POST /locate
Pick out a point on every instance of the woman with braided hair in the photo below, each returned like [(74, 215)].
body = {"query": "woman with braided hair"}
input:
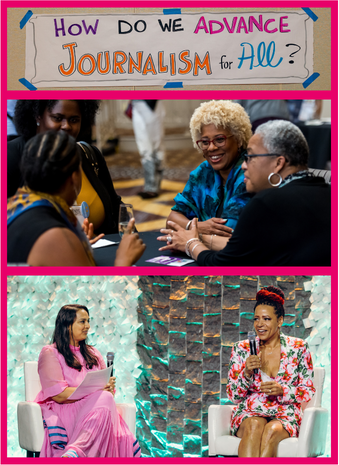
[(41, 228), (75, 117), (268, 403)]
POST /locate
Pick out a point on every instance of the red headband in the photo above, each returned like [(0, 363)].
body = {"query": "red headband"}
[(271, 295)]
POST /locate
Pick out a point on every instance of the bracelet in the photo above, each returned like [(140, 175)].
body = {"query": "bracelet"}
[(248, 379), (196, 245), (188, 243), (212, 235), (188, 225)]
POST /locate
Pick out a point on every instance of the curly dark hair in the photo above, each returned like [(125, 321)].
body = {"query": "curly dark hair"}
[(65, 320), (48, 160), (27, 111), (272, 296)]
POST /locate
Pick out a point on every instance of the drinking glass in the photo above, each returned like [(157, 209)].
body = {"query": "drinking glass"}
[(125, 214)]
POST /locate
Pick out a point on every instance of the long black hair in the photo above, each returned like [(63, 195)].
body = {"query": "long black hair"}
[(27, 111), (64, 321)]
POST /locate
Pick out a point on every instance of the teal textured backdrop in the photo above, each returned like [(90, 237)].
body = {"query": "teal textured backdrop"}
[(33, 303)]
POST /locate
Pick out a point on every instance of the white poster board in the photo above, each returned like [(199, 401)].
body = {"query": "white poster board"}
[(158, 49)]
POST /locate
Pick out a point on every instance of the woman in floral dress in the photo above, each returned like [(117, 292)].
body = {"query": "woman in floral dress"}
[(269, 402)]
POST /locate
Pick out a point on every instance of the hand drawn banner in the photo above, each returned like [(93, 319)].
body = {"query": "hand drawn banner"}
[(154, 49)]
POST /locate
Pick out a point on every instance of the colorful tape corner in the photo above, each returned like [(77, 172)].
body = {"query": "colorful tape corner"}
[(310, 80), (310, 13), (27, 84), (172, 11), (26, 18), (173, 85)]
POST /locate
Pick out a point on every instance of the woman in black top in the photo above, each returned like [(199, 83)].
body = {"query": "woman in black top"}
[(75, 117), (288, 221)]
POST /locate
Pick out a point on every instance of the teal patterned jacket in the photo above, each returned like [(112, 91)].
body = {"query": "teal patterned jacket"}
[(204, 193)]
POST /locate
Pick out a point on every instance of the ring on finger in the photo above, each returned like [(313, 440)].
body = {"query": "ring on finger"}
[(169, 239)]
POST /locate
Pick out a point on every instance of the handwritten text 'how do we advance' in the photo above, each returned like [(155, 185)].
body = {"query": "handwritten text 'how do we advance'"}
[(120, 62)]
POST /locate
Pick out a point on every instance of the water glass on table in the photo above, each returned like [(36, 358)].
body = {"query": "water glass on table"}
[(125, 215)]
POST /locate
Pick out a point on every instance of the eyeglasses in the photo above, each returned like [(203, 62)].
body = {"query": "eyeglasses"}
[(218, 141), (247, 156)]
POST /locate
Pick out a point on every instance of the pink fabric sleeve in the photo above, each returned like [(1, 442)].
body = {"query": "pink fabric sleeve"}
[(50, 373)]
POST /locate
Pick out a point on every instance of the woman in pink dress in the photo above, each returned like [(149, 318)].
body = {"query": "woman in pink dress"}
[(268, 402), (91, 426)]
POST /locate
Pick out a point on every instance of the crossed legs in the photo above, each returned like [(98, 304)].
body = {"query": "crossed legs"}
[(260, 438)]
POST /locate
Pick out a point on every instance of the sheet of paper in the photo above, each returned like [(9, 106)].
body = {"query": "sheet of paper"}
[(238, 47), (93, 381), (264, 377), (103, 243), (171, 261)]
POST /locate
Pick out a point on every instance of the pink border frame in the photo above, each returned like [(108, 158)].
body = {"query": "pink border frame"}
[(174, 94)]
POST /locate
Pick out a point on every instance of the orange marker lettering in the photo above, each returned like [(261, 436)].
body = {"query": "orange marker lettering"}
[(132, 64), (80, 64), (149, 66), (107, 62), (118, 64), (205, 64), (172, 57), (162, 68), (71, 68), (188, 63)]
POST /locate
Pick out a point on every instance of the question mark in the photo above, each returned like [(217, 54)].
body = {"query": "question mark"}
[(293, 53)]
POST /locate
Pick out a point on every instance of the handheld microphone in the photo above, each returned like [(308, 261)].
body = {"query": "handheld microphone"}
[(253, 346), (110, 360)]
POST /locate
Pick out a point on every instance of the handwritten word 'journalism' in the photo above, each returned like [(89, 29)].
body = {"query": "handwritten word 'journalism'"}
[(122, 63)]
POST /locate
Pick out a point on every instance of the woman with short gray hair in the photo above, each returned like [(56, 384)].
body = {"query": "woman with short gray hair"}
[(285, 138)]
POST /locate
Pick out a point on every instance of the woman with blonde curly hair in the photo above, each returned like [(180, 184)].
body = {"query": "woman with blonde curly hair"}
[(215, 192)]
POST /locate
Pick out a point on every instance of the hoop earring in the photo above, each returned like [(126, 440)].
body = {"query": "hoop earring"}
[(278, 183)]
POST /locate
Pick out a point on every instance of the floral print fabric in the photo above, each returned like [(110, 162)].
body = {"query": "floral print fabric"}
[(295, 376)]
